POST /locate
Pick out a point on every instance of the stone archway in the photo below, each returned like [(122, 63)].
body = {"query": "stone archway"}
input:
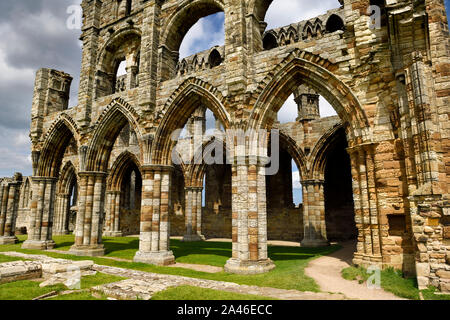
[(123, 197), (46, 165)]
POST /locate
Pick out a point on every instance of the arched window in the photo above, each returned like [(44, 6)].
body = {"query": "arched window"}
[(334, 23), (119, 83), (214, 59), (192, 31), (269, 41)]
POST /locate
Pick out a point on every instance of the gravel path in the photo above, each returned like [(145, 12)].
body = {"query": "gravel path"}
[(326, 271)]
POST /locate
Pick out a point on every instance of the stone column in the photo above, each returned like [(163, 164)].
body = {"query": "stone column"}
[(366, 205), (198, 212), (88, 234), (249, 217), (155, 226), (8, 218), (112, 221), (61, 214), (193, 214), (315, 232), (42, 210)]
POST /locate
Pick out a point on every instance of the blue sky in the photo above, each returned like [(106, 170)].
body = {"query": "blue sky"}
[(34, 35)]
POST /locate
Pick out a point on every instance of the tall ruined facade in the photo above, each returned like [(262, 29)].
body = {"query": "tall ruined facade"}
[(108, 162)]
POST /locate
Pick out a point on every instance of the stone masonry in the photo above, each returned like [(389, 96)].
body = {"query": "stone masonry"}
[(381, 165)]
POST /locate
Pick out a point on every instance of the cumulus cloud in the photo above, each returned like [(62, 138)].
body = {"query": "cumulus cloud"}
[(34, 35), (206, 33), (285, 12)]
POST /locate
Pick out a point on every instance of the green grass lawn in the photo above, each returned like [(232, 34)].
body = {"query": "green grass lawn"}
[(28, 289), (195, 293), (288, 274), (9, 259), (393, 281)]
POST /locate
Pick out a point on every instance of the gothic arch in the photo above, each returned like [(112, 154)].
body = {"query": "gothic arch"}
[(259, 8), (68, 174), (109, 125), (318, 157), (297, 154), (55, 143), (106, 53), (194, 173), (304, 67), (180, 105), (187, 14), (120, 165)]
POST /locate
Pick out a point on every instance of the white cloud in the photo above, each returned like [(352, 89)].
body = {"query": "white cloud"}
[(296, 180), (284, 12), (206, 33)]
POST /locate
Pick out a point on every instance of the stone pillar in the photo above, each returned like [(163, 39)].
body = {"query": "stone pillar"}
[(366, 205), (88, 234), (315, 232), (9, 208), (249, 217), (193, 214), (61, 214), (42, 209), (113, 220), (155, 226)]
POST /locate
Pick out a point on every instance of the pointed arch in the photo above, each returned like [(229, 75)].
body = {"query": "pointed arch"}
[(56, 141), (301, 67), (318, 157), (118, 169), (294, 150), (270, 40), (67, 177), (194, 172), (182, 19), (25, 193), (110, 123), (192, 93)]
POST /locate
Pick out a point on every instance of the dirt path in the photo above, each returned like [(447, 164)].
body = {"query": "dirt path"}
[(326, 271)]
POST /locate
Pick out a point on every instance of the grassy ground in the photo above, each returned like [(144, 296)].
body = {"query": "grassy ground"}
[(9, 259), (288, 274), (195, 293), (393, 281), (28, 289)]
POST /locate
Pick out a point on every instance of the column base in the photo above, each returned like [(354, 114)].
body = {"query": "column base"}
[(161, 258), (113, 234), (38, 244), (193, 238), (88, 251), (314, 243), (248, 267), (8, 240)]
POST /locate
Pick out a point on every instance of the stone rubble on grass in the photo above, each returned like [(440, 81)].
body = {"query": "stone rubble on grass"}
[(53, 270), (143, 285)]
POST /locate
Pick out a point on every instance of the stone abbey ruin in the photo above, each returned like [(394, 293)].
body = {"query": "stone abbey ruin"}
[(375, 173)]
